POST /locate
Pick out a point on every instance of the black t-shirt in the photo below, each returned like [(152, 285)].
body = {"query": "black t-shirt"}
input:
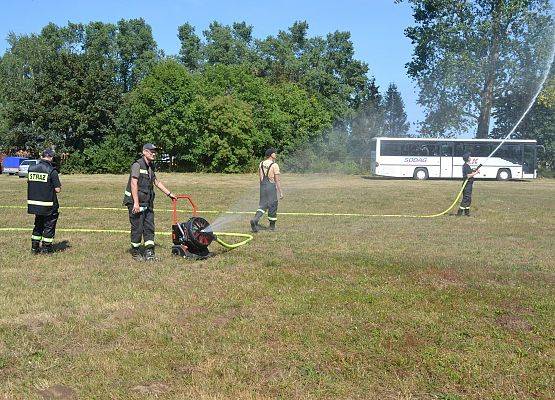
[(467, 170)]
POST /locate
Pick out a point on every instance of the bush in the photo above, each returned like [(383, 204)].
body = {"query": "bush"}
[(113, 155)]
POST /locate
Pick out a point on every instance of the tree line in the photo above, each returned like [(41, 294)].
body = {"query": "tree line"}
[(97, 91)]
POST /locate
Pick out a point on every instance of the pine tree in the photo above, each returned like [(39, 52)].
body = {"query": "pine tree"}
[(395, 118)]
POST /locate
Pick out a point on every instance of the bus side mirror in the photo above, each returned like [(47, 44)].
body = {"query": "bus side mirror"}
[(541, 147)]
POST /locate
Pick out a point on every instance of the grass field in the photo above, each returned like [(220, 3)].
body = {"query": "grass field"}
[(327, 307)]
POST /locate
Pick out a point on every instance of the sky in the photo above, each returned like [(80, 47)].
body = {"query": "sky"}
[(376, 26)]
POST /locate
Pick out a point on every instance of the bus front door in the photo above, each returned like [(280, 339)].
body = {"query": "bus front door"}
[(446, 160)]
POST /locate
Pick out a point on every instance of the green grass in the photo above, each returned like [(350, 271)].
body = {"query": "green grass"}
[(328, 307)]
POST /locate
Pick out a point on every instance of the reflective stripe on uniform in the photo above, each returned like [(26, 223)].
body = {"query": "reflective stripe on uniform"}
[(47, 240), (40, 203), (135, 244), (272, 219), (127, 193), (149, 243), (261, 210), (34, 237), (143, 171)]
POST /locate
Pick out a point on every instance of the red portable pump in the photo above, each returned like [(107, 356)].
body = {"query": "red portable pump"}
[(191, 238)]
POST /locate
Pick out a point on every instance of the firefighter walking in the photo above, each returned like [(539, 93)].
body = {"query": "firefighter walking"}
[(139, 199), (43, 184), (270, 186), (468, 173)]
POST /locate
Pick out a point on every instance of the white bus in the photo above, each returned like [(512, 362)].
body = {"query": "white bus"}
[(423, 158)]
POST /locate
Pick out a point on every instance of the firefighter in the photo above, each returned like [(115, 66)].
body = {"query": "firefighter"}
[(468, 173), (139, 199), (270, 186), (43, 184)]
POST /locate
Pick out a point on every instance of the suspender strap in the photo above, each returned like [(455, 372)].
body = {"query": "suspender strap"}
[(262, 168)]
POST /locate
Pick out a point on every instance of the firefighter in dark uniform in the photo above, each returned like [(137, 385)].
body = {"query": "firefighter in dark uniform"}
[(43, 184), (270, 186), (139, 199), (468, 173)]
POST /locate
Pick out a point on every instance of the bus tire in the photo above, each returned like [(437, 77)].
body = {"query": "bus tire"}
[(420, 174), (504, 174)]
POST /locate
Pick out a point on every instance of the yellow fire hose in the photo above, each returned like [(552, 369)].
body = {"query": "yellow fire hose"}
[(298, 214), (228, 246), (246, 236)]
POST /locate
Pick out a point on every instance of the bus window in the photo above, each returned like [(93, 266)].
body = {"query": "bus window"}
[(429, 149), (391, 148), (481, 150), (463, 147), (446, 149), (510, 152), (529, 159)]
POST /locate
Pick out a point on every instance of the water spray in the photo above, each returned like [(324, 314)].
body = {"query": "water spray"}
[(532, 101)]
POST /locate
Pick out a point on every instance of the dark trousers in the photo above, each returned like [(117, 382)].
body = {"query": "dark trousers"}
[(467, 197), (45, 227), (268, 201), (142, 227)]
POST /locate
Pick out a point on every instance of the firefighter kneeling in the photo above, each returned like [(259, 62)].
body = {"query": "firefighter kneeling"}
[(43, 183)]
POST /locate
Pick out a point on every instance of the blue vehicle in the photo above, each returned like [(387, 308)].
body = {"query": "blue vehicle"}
[(10, 165)]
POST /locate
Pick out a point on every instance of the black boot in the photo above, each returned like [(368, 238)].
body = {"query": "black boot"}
[(35, 246), (136, 254), (467, 212), (149, 254), (272, 225), (47, 248), (254, 222), (459, 212)]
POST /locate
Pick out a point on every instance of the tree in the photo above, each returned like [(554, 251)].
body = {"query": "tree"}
[(159, 110), (220, 119), (326, 66), (137, 51), (367, 123), (228, 45), (466, 55), (53, 93), (395, 117), (190, 54), (538, 124)]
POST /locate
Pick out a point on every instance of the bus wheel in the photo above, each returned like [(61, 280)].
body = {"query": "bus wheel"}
[(503, 174), (420, 174)]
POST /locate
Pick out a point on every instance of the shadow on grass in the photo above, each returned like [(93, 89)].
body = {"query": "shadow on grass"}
[(61, 246)]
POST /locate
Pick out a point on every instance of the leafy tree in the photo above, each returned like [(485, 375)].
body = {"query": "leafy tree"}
[(159, 110), (367, 123), (137, 51), (190, 53), (228, 44), (395, 117), (466, 55), (220, 119), (324, 66)]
